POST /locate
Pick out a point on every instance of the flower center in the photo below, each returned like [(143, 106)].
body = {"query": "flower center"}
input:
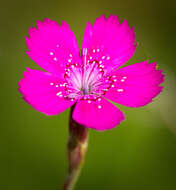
[(86, 82)]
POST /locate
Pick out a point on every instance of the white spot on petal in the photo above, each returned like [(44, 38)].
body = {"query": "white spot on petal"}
[(59, 93), (103, 57), (99, 106), (55, 59), (120, 90), (51, 53), (51, 83), (122, 80)]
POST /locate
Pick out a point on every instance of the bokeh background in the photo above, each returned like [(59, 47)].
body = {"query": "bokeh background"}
[(138, 154)]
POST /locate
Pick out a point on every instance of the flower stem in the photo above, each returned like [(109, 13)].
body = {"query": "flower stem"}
[(76, 150)]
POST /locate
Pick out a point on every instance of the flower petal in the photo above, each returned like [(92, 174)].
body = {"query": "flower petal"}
[(52, 46), (44, 92), (99, 115), (135, 85), (109, 42)]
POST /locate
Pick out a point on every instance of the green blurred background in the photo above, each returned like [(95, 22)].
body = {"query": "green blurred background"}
[(138, 154)]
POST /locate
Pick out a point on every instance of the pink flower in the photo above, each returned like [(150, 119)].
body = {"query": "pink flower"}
[(89, 80)]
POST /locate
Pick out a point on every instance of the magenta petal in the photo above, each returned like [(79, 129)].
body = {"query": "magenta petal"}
[(109, 42), (43, 92), (100, 116), (52, 46), (136, 85)]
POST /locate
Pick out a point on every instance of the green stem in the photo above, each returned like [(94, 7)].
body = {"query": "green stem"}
[(76, 150)]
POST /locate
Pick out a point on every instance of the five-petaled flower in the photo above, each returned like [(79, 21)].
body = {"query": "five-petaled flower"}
[(91, 79)]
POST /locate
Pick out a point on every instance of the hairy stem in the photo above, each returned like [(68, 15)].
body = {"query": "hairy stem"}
[(76, 150)]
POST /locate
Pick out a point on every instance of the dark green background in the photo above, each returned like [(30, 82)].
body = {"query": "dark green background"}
[(138, 154)]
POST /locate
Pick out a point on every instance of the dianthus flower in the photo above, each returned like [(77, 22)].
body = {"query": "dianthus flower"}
[(91, 79)]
